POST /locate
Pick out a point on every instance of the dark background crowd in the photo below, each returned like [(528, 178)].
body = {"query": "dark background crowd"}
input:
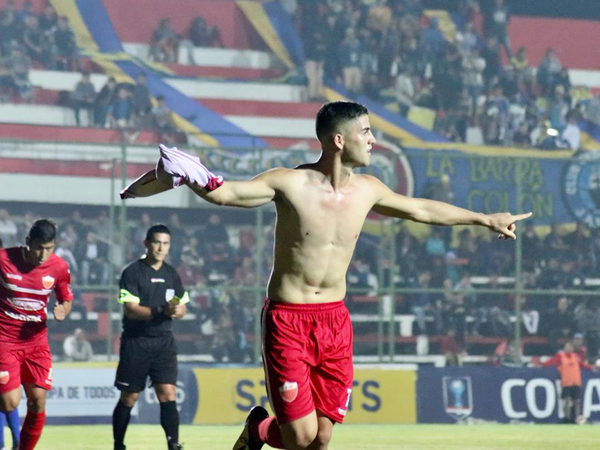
[(217, 262)]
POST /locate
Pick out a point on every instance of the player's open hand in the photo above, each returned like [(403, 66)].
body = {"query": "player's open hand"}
[(59, 311), (504, 224)]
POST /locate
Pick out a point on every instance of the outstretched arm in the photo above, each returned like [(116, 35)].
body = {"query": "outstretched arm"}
[(246, 194), (439, 213)]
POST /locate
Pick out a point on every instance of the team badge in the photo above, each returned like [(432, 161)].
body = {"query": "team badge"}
[(581, 184), (289, 391), (4, 377), (458, 397), (48, 282)]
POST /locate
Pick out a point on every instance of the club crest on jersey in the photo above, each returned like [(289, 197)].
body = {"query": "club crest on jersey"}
[(4, 377), (289, 391), (48, 282)]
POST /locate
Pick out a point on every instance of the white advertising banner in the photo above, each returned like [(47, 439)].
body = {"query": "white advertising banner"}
[(81, 393)]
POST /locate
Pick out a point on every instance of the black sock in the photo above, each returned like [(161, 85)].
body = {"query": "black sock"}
[(169, 420), (120, 420)]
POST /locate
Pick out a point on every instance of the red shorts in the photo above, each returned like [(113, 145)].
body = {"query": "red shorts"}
[(25, 365), (307, 355)]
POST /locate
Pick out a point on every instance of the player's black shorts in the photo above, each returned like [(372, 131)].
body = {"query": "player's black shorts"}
[(571, 392), (143, 357)]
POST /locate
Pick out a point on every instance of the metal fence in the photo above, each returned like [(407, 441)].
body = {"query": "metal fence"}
[(559, 190)]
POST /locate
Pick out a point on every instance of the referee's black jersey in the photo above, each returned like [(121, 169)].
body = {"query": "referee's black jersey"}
[(141, 284)]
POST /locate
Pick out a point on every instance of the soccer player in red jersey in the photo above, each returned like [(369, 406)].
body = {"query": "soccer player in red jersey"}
[(27, 277), (321, 208)]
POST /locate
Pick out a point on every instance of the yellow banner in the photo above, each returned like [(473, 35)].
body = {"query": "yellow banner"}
[(256, 15), (378, 396)]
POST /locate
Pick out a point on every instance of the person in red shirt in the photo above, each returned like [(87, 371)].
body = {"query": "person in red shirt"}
[(569, 365), (28, 275)]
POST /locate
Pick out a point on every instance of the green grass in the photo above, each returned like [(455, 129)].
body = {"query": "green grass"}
[(346, 437)]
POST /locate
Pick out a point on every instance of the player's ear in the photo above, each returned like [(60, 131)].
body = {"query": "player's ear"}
[(28, 242), (338, 140)]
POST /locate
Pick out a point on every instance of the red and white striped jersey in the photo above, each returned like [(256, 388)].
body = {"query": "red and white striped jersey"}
[(24, 293)]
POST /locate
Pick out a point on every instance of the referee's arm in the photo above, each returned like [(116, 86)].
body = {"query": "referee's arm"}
[(133, 309)]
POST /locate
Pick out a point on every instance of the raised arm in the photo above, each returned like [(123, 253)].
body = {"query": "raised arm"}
[(433, 212)]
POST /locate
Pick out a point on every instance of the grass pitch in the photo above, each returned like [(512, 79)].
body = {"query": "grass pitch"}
[(346, 437)]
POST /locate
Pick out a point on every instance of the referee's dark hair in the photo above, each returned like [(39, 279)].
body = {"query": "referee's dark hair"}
[(42, 231), (160, 228)]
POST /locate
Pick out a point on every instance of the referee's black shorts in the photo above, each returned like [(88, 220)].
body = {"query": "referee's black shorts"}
[(143, 357)]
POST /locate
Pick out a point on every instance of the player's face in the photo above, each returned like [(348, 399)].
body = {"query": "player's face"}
[(358, 142), (38, 253), (158, 247)]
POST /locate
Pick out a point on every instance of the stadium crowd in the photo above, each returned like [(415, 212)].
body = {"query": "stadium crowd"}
[(217, 263), (478, 89), (402, 56)]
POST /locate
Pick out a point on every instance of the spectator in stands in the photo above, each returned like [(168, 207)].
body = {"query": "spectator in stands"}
[(92, 256), (10, 31), (570, 137), (493, 64), (77, 348), (405, 89), (547, 71), (314, 35), (37, 46), (162, 120), (120, 110), (48, 20), (199, 32), (63, 250), (360, 276), (349, 54), (19, 65), (137, 235), (67, 55), (8, 229), (451, 349), (26, 12), (534, 255), (191, 259), (497, 25), (555, 243), (432, 38), (102, 103), (441, 191), (521, 137), (165, 43), (203, 35), (141, 102), (83, 97), (462, 301), (473, 67), (229, 343), (424, 304), (587, 317), (520, 65), (560, 323)]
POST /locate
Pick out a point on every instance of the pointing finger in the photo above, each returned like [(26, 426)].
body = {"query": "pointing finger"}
[(522, 216)]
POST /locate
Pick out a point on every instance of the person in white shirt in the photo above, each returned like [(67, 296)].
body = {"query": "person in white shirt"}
[(77, 348)]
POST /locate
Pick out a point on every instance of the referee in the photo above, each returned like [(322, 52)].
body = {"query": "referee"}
[(153, 295)]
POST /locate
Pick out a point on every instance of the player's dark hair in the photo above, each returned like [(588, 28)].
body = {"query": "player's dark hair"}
[(332, 114), (154, 229), (42, 231)]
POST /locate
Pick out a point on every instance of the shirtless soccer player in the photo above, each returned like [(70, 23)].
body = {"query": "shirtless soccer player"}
[(321, 207), (28, 275)]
